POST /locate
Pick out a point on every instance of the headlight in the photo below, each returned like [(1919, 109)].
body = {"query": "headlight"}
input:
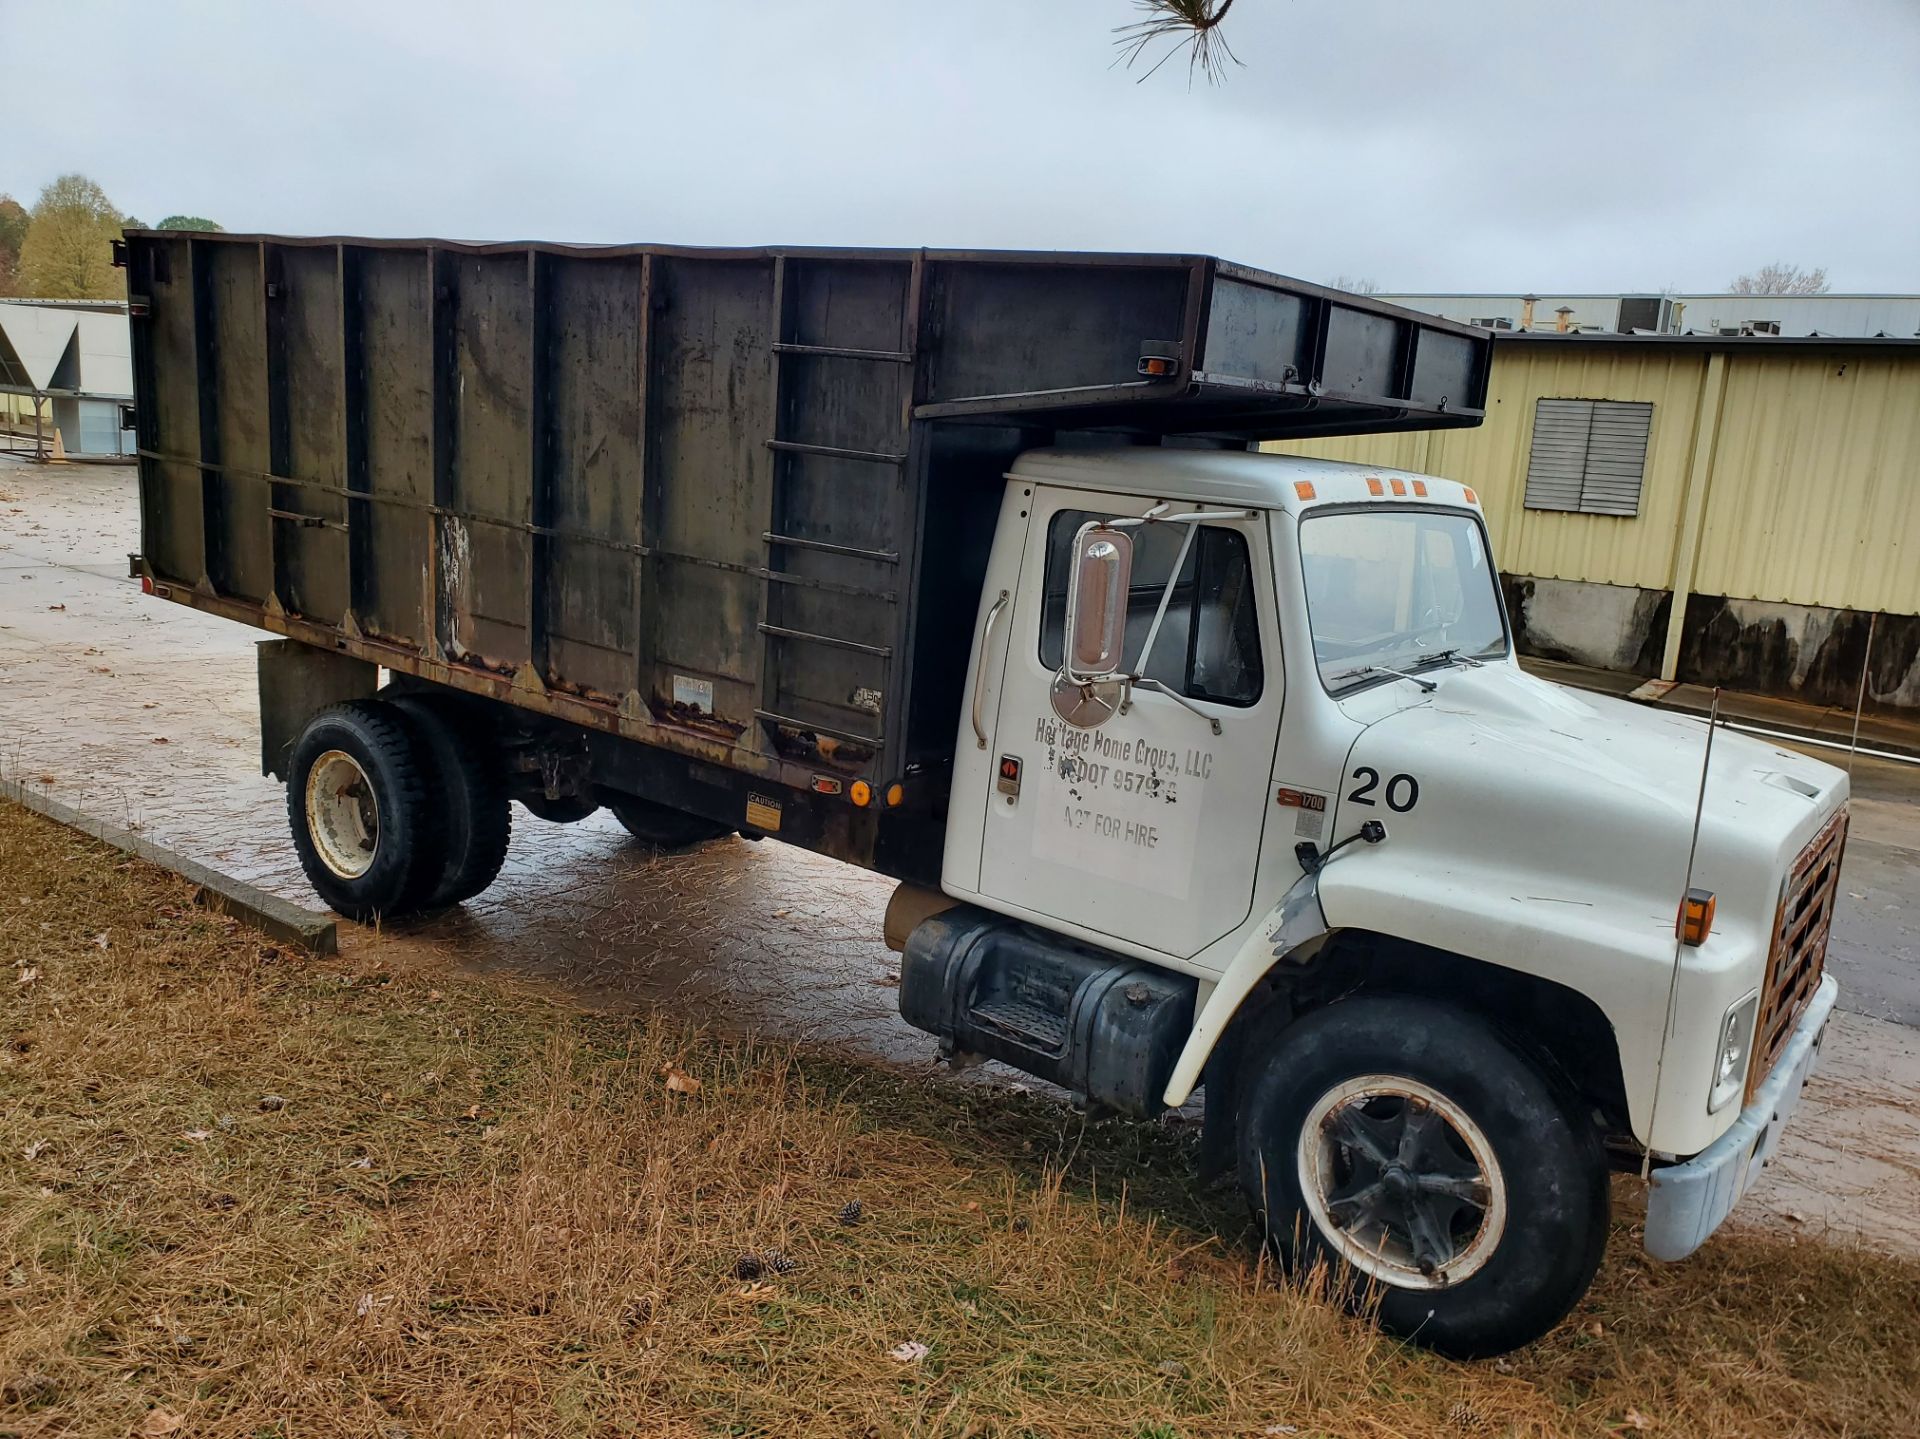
[(1735, 1048)]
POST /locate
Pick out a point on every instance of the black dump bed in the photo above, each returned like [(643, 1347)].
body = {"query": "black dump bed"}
[(732, 503)]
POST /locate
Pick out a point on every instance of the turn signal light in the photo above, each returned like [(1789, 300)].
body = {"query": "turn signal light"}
[(1695, 921), (860, 792), (896, 792)]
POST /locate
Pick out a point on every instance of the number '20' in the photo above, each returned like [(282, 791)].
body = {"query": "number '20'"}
[(1402, 792)]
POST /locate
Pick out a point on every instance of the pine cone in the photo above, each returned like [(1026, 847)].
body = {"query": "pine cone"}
[(748, 1267), (850, 1212), (777, 1261)]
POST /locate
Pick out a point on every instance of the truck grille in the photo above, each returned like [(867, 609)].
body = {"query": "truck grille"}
[(1799, 950)]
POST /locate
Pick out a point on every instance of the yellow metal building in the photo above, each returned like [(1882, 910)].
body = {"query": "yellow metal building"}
[(1766, 536)]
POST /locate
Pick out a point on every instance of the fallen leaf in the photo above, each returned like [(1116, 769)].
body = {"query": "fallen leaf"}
[(161, 1421), (433, 996), (56, 607), (911, 1351), (1172, 1368), (366, 1304), (198, 1136), (365, 1161), (1637, 1420), (781, 913), (160, 739), (473, 1111), (1596, 1329), (28, 974), (887, 981), (100, 939), (34, 1150), (1794, 1216), (272, 1102), (679, 1081)]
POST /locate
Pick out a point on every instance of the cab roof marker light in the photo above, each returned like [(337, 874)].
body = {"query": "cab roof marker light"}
[(1399, 487), (1374, 487), (1472, 498), (1420, 488), (1303, 489)]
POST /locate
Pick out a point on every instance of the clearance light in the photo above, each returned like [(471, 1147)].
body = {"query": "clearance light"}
[(1158, 365), (146, 584), (1374, 487), (1399, 487), (1303, 489), (860, 792), (1695, 921), (1420, 488), (896, 792), (1472, 498)]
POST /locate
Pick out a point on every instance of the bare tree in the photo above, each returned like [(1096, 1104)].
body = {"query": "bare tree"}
[(1781, 278), (1355, 284), (1190, 25)]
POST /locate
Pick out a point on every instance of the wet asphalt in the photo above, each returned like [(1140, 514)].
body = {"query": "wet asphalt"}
[(143, 712)]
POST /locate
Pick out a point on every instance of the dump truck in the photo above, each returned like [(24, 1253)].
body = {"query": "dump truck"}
[(1200, 769)]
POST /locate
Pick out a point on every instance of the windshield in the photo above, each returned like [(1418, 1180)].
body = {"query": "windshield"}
[(1397, 589)]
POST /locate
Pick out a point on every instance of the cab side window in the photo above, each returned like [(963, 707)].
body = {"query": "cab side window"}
[(1208, 647)]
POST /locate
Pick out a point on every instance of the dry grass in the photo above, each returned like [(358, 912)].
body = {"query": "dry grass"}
[(478, 1212)]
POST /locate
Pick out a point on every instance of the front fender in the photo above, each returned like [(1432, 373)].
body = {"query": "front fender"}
[(1297, 920)]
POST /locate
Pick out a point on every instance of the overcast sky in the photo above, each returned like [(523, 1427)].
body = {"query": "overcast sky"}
[(1506, 145)]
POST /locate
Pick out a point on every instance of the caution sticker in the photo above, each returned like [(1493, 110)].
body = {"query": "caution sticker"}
[(763, 813)]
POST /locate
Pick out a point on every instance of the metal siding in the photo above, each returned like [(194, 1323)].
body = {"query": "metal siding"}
[(1815, 497), (1601, 549)]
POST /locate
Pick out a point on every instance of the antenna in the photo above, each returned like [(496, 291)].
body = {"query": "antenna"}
[(1860, 703), (1673, 976)]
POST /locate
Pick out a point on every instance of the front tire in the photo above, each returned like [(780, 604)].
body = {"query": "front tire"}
[(1433, 1171), (356, 803)]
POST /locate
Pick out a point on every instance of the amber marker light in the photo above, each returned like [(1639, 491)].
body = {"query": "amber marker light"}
[(1695, 921), (1303, 489), (896, 792), (860, 792)]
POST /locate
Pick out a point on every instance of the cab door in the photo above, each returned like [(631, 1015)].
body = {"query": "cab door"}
[(1148, 827)]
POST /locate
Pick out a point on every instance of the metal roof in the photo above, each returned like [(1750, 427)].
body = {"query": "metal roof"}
[(1890, 343)]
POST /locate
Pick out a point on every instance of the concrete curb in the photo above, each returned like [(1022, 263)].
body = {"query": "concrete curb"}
[(222, 893)]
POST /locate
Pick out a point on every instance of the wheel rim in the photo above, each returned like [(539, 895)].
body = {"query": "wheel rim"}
[(343, 816), (1401, 1181)]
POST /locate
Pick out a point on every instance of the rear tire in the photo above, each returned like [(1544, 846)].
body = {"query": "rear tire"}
[(466, 781), (662, 826), (357, 806), (570, 810), (1433, 1171)]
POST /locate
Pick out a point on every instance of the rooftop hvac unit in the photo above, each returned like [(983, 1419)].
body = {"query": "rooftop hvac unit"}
[(1645, 314), (1759, 327), (1493, 322)]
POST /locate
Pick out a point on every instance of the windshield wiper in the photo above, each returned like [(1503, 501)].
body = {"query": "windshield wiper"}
[(1443, 657), (1428, 685)]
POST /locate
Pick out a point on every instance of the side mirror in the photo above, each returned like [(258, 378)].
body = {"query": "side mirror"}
[(1089, 688), (1097, 590)]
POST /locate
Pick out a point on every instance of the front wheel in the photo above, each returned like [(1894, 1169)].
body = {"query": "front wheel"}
[(1429, 1167)]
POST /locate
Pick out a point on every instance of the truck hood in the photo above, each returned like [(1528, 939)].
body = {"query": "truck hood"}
[(1586, 799)]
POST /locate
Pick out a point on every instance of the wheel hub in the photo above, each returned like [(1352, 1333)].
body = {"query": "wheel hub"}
[(1402, 1182), (343, 814)]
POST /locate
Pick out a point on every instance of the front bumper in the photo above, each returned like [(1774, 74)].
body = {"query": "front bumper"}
[(1689, 1201)]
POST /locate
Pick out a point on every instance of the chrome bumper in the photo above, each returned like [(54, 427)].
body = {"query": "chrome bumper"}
[(1689, 1201)]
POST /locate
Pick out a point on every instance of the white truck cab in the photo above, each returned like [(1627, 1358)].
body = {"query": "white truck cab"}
[(1437, 936)]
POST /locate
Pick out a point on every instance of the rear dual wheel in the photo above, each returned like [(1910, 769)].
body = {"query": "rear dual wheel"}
[(395, 806)]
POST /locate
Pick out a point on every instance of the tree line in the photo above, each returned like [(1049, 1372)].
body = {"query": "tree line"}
[(62, 248)]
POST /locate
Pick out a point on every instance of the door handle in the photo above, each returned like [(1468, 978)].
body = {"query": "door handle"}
[(980, 675)]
